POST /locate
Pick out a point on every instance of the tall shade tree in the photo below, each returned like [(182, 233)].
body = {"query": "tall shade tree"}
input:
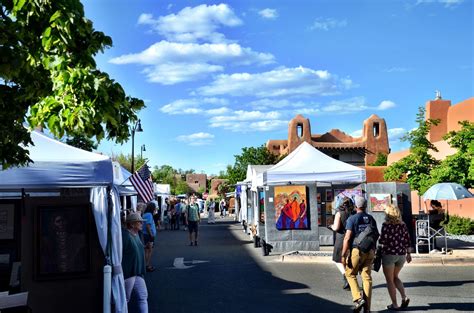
[(416, 167), (459, 167), (81, 142), (249, 156), (126, 161), (48, 77)]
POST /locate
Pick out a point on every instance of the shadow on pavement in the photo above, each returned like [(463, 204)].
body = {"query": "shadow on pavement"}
[(423, 283), (233, 280), (465, 307)]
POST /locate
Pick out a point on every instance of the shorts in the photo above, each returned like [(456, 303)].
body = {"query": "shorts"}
[(193, 226), (147, 240), (393, 260)]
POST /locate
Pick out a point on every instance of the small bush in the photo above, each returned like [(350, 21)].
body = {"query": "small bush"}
[(460, 225)]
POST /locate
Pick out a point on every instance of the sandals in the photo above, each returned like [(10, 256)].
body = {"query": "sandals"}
[(405, 303), (150, 269), (392, 308)]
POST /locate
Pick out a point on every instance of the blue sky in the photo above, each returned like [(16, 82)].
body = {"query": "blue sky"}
[(219, 76)]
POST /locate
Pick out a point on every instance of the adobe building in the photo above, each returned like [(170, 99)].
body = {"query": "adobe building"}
[(215, 185), (449, 116), (196, 181), (358, 151)]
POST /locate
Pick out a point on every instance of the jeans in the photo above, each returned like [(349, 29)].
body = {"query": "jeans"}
[(135, 290), (361, 262)]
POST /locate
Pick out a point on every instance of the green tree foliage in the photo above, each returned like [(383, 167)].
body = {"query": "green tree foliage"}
[(419, 163), (460, 225), (459, 167), (81, 142), (223, 188), (380, 161), (126, 161), (250, 155), (181, 188), (49, 77), (165, 174)]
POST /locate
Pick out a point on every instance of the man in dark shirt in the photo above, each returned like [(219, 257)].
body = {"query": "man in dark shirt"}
[(133, 262), (358, 261)]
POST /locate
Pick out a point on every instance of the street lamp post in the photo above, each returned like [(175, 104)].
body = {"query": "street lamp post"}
[(142, 148), (137, 127)]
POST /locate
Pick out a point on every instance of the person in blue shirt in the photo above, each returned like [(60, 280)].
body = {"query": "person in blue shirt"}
[(355, 260), (178, 210), (149, 233)]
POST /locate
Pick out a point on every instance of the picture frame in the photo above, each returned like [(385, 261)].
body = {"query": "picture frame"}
[(291, 208), (7, 221), (329, 196), (62, 245), (377, 200)]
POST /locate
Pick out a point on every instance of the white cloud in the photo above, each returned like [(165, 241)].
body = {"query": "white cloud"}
[(396, 69), (270, 14), (394, 134), (192, 24), (174, 73), (195, 106), (196, 139), (297, 81), (327, 23), (173, 52), (170, 63), (279, 103), (357, 133), (248, 121), (446, 3), (385, 105), (346, 106)]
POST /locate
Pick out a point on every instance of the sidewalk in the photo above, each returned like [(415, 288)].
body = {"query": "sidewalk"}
[(460, 253)]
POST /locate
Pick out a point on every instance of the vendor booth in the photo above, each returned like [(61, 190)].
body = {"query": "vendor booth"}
[(255, 194), (299, 194), (62, 245), (242, 195)]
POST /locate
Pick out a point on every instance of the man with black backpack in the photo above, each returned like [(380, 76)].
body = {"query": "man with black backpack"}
[(358, 253)]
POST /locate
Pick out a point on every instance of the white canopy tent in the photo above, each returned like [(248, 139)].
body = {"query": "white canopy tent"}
[(255, 177), (58, 165), (124, 186), (308, 164)]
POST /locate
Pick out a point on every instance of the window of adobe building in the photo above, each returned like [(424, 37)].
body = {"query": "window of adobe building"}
[(376, 129), (299, 130)]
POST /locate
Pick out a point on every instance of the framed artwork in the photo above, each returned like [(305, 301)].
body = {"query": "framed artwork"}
[(7, 221), (329, 196), (328, 208), (261, 206), (377, 200), (329, 220), (62, 241), (291, 207), (342, 193)]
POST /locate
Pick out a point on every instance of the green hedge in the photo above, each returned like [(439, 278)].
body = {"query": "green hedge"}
[(460, 225)]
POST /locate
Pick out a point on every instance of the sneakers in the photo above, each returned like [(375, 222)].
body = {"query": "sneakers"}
[(358, 305)]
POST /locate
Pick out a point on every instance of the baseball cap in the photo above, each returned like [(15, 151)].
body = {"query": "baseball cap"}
[(360, 202)]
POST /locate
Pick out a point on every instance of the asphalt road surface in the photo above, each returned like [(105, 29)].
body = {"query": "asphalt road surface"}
[(226, 274)]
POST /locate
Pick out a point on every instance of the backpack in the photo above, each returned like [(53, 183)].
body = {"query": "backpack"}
[(367, 239)]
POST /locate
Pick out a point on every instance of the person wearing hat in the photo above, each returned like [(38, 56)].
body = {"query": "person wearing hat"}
[(133, 263), (354, 259)]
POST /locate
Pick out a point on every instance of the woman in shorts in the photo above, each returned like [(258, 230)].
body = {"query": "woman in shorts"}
[(395, 243), (149, 233)]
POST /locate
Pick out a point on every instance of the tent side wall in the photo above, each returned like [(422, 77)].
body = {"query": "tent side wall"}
[(291, 240)]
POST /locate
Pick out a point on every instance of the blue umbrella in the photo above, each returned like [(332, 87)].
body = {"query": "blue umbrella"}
[(447, 191)]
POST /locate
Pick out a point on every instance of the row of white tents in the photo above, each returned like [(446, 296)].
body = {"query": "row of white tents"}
[(57, 166), (304, 166)]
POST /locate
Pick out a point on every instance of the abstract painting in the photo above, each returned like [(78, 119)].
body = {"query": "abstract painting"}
[(291, 207)]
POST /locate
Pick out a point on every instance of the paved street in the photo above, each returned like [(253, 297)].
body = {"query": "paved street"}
[(236, 278)]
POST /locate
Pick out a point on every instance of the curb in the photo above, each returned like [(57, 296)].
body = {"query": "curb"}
[(315, 257)]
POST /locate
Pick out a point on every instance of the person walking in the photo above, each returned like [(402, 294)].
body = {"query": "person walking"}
[(192, 220), (149, 233), (395, 244), (211, 216), (133, 264), (178, 208), (358, 253), (343, 212)]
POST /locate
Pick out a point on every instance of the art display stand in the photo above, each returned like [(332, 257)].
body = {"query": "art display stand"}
[(426, 235)]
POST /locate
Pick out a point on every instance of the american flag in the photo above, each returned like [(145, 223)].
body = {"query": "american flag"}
[(141, 181)]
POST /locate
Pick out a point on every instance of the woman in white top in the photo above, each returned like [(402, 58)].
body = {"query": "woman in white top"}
[(211, 218)]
